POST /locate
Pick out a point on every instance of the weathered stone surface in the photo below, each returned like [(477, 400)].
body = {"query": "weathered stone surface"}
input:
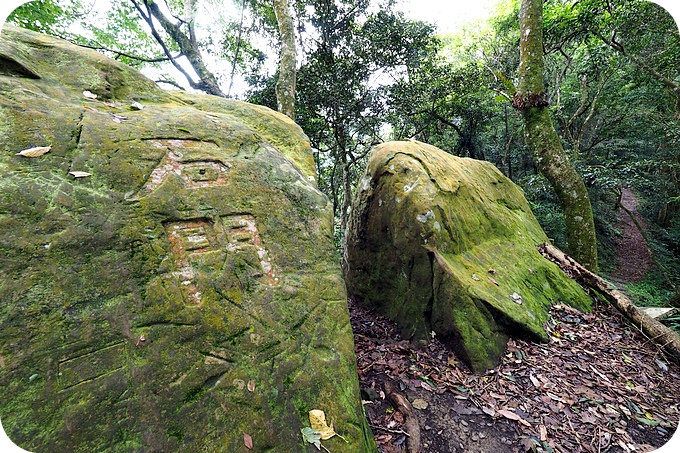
[(186, 292), (447, 245)]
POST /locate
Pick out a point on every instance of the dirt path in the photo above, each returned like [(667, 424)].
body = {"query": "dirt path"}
[(633, 258)]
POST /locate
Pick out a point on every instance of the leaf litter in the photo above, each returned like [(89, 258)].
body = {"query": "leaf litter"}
[(595, 387)]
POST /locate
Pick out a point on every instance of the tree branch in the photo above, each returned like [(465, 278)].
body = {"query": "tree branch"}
[(127, 55)]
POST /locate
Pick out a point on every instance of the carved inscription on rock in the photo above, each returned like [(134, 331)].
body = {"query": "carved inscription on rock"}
[(243, 237), (195, 173), (192, 239)]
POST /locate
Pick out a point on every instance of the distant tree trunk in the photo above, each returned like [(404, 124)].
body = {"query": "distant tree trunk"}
[(548, 154), (285, 85)]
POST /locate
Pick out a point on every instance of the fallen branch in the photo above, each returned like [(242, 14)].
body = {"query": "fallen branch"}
[(411, 426), (666, 338)]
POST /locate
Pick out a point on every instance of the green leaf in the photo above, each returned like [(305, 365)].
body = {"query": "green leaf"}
[(647, 422), (312, 436)]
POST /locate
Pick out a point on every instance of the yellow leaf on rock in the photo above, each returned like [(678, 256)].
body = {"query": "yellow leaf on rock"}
[(317, 419), (34, 152)]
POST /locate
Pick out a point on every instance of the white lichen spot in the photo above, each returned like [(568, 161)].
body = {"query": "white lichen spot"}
[(425, 217), (578, 218), (527, 31), (436, 226), (397, 199), (409, 187), (380, 202), (365, 182)]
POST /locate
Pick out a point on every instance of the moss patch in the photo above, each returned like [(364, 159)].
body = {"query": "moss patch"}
[(183, 293)]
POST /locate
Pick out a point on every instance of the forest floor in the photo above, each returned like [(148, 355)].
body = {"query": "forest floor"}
[(598, 385)]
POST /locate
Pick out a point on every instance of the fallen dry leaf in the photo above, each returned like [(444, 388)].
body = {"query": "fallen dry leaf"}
[(534, 381), (251, 385), (34, 152), (79, 174), (248, 441), (419, 404), (317, 419), (513, 416)]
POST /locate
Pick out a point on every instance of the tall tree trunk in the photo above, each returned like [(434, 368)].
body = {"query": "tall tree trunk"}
[(285, 85), (548, 154)]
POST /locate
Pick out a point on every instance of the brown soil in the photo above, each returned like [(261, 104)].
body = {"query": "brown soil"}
[(597, 386), (633, 258)]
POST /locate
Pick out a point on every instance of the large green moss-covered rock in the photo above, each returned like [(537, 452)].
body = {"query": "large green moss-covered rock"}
[(183, 294), (448, 245)]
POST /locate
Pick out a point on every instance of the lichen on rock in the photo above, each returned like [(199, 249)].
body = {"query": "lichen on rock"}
[(448, 245), (184, 293)]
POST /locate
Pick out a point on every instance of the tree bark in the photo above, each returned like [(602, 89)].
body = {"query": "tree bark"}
[(666, 338), (285, 85), (548, 154)]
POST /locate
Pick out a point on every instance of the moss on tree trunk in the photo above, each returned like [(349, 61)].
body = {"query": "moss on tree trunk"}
[(285, 85), (543, 142)]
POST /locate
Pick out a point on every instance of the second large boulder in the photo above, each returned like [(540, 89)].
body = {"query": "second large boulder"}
[(448, 245)]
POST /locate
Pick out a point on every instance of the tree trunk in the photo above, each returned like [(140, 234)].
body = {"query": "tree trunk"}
[(188, 45), (285, 85), (548, 154)]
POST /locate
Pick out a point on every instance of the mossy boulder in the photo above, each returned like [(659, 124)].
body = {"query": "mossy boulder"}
[(448, 245), (184, 293)]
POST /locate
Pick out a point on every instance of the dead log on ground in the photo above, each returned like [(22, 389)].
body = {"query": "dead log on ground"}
[(666, 338)]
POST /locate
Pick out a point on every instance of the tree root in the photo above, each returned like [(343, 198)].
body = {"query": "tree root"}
[(411, 426)]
